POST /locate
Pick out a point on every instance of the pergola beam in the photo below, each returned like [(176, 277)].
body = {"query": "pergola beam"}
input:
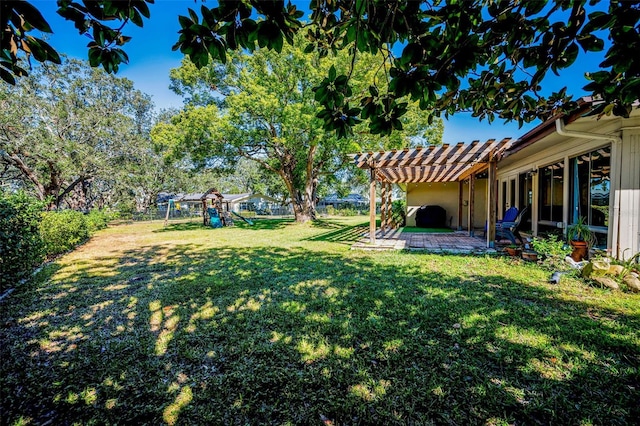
[(444, 163)]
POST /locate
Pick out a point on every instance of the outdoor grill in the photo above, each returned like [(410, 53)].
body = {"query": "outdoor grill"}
[(431, 217)]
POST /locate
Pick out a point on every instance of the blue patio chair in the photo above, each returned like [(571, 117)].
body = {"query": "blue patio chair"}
[(509, 229), (509, 216)]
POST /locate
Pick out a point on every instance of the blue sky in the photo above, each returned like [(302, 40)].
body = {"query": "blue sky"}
[(151, 58)]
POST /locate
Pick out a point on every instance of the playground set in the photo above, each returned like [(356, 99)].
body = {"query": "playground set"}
[(215, 212)]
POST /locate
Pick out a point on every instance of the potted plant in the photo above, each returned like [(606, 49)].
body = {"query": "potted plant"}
[(513, 250), (580, 238)]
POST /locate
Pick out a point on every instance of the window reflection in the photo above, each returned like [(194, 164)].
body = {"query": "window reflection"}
[(591, 186)]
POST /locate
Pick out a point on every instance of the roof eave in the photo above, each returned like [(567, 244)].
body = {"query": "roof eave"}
[(548, 127)]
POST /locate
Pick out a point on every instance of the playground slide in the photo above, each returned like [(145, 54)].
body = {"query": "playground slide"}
[(214, 218), (243, 218)]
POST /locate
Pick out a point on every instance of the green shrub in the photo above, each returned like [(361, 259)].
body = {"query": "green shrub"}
[(398, 212), (347, 211), (553, 250), (331, 210), (61, 231), (21, 247), (97, 220)]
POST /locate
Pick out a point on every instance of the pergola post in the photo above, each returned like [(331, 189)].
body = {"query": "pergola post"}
[(389, 210), (491, 203), (383, 207), (460, 201), (472, 201), (372, 206)]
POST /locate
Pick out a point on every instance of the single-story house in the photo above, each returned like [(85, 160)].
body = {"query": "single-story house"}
[(570, 166), (193, 204), (258, 203), (247, 202), (355, 201)]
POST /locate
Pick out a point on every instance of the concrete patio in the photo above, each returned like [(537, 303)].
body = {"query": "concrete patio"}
[(456, 242)]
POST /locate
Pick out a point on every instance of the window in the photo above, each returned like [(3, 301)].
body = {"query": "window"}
[(590, 187), (551, 181)]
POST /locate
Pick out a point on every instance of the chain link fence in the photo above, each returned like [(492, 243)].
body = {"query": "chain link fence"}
[(160, 213)]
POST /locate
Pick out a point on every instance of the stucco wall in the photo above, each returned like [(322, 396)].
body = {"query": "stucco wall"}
[(445, 195)]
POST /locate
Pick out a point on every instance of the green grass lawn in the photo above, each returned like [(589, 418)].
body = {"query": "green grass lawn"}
[(281, 323), (427, 230)]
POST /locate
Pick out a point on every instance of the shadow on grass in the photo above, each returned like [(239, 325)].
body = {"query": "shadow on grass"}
[(192, 335), (183, 226), (339, 232), (258, 224)]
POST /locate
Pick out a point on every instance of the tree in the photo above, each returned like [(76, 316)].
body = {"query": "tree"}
[(18, 18), (484, 56), (136, 182), (266, 112), (71, 134), (248, 176)]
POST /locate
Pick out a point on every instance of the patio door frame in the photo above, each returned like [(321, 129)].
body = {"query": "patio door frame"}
[(508, 193)]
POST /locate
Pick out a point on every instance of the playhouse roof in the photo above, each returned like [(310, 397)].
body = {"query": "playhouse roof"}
[(434, 163)]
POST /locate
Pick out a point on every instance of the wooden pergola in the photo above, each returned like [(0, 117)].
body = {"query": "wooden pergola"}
[(434, 163)]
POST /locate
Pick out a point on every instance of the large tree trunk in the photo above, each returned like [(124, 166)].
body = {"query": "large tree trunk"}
[(304, 203), (75, 194), (302, 199), (304, 209)]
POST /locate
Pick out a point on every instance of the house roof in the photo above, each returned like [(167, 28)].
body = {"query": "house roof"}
[(212, 194), (549, 126), (434, 163), (235, 198), (351, 198), (208, 195), (199, 196)]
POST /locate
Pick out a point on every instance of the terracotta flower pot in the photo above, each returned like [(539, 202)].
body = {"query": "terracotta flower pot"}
[(530, 255), (580, 250), (513, 251)]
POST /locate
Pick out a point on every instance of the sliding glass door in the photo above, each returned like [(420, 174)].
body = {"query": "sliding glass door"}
[(550, 187), (590, 189)]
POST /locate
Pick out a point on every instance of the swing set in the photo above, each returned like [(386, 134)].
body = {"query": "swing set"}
[(216, 213)]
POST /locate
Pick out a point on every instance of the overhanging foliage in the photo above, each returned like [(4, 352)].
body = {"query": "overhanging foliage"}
[(484, 56)]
